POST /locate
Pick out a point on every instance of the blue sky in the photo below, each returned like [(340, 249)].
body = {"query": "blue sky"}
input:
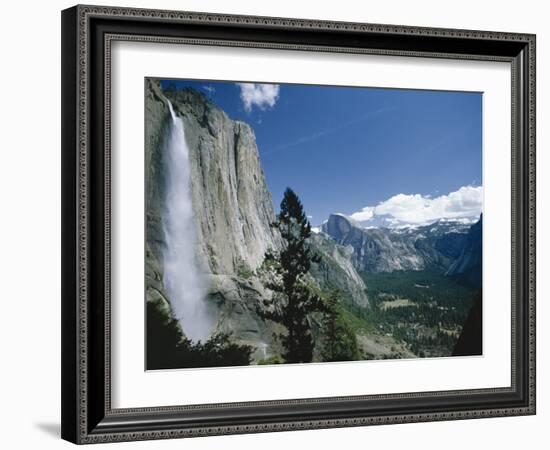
[(342, 149)]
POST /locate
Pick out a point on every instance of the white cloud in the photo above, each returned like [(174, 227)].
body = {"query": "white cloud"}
[(417, 209), (365, 214), (209, 89), (262, 96)]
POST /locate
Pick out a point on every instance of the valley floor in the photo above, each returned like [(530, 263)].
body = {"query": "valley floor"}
[(411, 314)]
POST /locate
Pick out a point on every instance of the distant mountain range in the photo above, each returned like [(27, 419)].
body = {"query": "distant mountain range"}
[(384, 249), (391, 222)]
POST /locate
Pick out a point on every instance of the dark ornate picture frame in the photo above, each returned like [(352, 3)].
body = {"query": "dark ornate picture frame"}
[(87, 35)]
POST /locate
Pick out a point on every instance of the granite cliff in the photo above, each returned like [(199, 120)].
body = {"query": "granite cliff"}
[(467, 268), (233, 216), (435, 246)]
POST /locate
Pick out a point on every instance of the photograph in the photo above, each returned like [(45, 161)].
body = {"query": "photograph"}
[(273, 222), (297, 223)]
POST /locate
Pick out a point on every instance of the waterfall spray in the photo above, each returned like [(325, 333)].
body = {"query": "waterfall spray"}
[(185, 285)]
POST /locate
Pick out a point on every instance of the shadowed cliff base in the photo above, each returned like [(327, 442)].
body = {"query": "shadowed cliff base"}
[(470, 342)]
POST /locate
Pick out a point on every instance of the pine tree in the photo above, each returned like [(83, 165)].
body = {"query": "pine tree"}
[(330, 325), (340, 341), (293, 301)]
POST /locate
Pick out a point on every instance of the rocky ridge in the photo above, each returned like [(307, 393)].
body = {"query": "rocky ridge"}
[(467, 268), (385, 250)]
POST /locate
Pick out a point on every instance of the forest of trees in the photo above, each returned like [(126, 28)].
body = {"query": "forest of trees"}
[(431, 320)]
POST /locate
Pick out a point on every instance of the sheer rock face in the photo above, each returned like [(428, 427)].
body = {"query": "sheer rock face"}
[(433, 246), (233, 205), (336, 269), (374, 250), (157, 114), (233, 208), (233, 213), (467, 268)]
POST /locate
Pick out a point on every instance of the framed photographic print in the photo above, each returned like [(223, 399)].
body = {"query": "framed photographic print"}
[(278, 224)]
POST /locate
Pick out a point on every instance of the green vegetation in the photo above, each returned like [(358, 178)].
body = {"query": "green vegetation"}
[(277, 359), (340, 341), (424, 309), (310, 315), (167, 348), (293, 300), (243, 270)]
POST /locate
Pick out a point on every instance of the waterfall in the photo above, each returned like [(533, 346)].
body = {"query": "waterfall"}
[(184, 282)]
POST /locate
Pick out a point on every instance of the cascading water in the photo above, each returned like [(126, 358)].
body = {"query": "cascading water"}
[(184, 283)]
